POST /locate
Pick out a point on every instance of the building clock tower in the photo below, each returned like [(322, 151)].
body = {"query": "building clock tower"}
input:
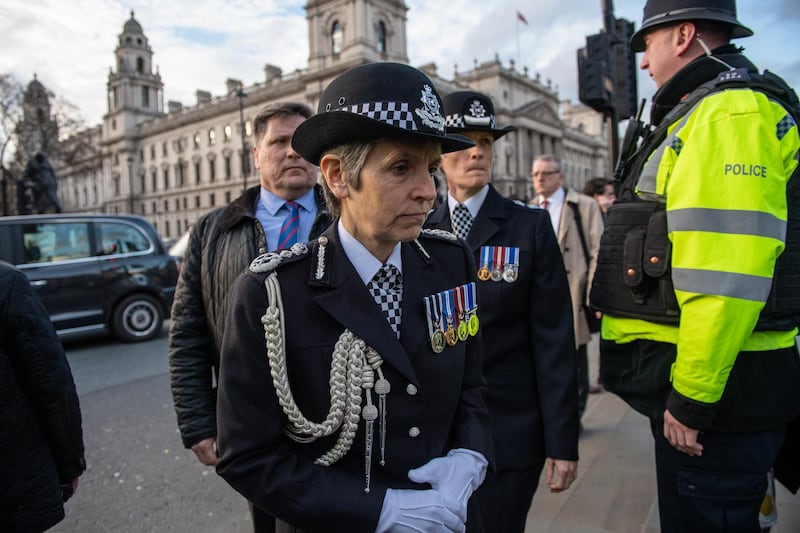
[(135, 93), (345, 33)]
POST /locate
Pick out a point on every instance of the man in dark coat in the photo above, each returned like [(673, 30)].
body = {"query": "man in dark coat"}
[(41, 442), (529, 351), (221, 246), (358, 416)]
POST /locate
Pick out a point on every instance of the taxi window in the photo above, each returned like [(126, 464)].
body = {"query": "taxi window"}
[(117, 238), (55, 241)]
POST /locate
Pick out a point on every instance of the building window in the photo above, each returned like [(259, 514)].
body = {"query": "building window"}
[(143, 208), (152, 151), (227, 130), (179, 171), (143, 183), (116, 185), (227, 197), (197, 201), (166, 206), (145, 97), (211, 200), (197, 173), (178, 206), (227, 167), (212, 170), (166, 179), (153, 205), (246, 163), (184, 206), (140, 65), (164, 148), (154, 179), (212, 137), (337, 38), (197, 140), (381, 37), (166, 228)]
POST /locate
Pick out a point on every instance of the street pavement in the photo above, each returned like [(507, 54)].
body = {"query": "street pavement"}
[(616, 487), (140, 479)]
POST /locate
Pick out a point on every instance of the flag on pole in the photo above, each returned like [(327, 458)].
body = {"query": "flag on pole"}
[(521, 18)]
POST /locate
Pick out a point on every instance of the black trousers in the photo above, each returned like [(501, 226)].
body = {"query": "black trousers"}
[(722, 489), (505, 498), (583, 377), (262, 522)]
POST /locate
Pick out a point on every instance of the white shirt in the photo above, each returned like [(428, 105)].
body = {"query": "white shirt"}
[(555, 203), (366, 264), (473, 203)]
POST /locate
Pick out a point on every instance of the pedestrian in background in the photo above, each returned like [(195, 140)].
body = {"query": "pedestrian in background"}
[(41, 441), (578, 225), (286, 207), (347, 403), (696, 267), (526, 317), (602, 190)]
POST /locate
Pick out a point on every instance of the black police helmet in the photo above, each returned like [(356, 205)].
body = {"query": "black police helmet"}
[(660, 12), (471, 111), (374, 101)]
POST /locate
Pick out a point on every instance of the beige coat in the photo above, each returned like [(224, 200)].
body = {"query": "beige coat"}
[(578, 274)]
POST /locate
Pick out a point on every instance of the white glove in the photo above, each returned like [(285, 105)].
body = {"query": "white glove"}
[(456, 477), (417, 511)]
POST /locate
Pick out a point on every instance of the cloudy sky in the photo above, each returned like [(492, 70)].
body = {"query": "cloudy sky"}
[(198, 44)]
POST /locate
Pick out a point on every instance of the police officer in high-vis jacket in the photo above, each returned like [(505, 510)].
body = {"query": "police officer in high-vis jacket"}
[(698, 275)]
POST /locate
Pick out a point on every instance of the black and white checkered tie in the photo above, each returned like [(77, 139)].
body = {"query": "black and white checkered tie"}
[(462, 220), (386, 288)]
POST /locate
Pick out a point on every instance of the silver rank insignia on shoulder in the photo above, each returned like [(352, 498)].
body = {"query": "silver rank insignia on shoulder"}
[(270, 261)]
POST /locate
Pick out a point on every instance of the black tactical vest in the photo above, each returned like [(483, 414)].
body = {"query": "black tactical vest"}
[(633, 277)]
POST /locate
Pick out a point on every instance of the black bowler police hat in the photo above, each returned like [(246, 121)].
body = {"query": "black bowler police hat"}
[(471, 111), (375, 101), (658, 12)]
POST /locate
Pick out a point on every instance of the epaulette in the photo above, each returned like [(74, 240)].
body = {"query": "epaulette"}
[(271, 260), (440, 234)]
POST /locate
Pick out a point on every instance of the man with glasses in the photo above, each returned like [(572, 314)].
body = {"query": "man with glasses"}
[(578, 225)]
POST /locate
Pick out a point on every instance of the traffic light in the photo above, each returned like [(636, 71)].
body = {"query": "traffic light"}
[(627, 99), (595, 84), (607, 71)]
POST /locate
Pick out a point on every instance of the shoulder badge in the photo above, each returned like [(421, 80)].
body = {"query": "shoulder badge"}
[(270, 261), (440, 234)]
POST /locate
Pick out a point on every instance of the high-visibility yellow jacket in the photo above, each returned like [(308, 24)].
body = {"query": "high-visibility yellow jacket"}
[(722, 173)]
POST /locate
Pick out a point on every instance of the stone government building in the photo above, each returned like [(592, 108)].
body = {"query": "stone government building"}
[(171, 165)]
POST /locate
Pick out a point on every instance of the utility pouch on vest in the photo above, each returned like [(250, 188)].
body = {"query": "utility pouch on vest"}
[(633, 275)]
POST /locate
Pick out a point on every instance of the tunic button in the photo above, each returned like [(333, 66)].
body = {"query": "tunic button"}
[(631, 272), (411, 389), (413, 432), (654, 260)]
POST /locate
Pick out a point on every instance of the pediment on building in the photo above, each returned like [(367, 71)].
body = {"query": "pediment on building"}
[(540, 111), (77, 152)]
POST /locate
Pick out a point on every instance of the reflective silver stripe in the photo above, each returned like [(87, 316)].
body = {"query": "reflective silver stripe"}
[(755, 223), (647, 180), (743, 286)]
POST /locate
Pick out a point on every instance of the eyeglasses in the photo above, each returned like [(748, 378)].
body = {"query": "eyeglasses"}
[(544, 173)]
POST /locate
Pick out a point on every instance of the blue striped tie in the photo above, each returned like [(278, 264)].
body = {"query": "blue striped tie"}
[(290, 227)]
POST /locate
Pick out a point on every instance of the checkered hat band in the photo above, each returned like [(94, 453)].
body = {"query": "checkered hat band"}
[(457, 121), (454, 121), (394, 114)]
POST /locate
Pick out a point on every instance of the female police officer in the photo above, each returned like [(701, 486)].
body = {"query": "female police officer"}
[(365, 411)]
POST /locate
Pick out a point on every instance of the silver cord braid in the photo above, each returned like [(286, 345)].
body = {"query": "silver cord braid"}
[(351, 358)]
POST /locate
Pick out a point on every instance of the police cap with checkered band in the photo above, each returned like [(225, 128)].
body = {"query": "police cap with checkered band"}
[(471, 111), (375, 101), (662, 12)]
